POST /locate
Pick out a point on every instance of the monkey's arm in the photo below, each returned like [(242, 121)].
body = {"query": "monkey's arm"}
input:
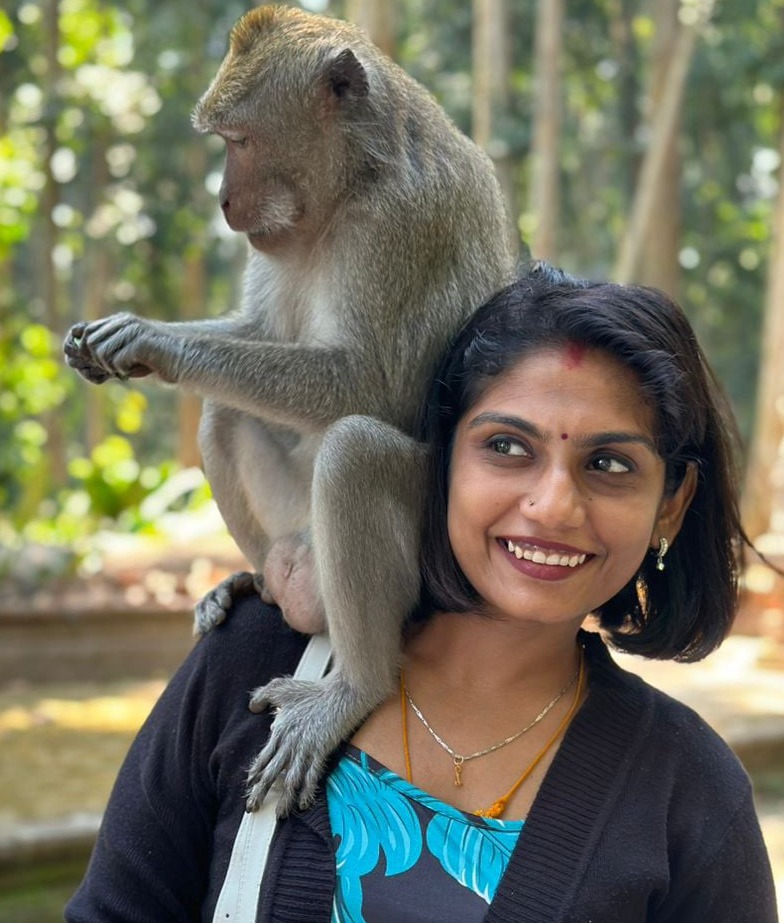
[(305, 387), (81, 356)]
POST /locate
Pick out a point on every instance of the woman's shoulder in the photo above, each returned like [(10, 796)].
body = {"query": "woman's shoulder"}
[(253, 645), (673, 735)]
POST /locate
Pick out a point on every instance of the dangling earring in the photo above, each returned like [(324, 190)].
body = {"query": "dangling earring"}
[(664, 547)]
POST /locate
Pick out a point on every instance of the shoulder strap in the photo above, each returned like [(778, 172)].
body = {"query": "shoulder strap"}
[(239, 896)]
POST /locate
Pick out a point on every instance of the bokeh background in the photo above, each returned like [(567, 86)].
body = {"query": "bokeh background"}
[(634, 139)]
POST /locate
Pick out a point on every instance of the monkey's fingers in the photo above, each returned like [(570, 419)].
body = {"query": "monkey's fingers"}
[(313, 718), (214, 606), (73, 341), (88, 370), (77, 348), (284, 692), (262, 776), (76, 333), (290, 766)]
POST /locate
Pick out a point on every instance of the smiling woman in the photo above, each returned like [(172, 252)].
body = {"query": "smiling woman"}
[(646, 438), (575, 515), (581, 463)]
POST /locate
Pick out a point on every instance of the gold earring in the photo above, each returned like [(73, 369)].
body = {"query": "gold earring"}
[(664, 547)]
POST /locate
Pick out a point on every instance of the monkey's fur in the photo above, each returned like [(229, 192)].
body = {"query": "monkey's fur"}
[(375, 228)]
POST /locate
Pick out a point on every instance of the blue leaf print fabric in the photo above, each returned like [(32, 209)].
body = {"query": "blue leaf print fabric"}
[(368, 819), (475, 856), (402, 854)]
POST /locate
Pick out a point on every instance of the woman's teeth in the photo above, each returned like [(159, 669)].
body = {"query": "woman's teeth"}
[(538, 556)]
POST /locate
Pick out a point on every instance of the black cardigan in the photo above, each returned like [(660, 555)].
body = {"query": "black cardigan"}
[(644, 815)]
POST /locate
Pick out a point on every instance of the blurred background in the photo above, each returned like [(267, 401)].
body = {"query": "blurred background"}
[(634, 139)]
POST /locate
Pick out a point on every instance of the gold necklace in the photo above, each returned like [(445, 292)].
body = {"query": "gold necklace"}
[(498, 807), (459, 759)]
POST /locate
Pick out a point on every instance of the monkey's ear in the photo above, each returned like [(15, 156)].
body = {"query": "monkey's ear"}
[(347, 77)]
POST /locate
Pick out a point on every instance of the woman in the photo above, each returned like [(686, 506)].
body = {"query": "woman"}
[(582, 464)]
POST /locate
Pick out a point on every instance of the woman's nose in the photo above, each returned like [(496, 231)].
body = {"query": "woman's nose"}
[(555, 500)]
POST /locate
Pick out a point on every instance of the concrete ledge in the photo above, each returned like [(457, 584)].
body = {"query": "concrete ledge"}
[(96, 645), (39, 842)]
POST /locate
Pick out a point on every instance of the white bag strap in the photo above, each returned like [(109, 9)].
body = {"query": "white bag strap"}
[(239, 896)]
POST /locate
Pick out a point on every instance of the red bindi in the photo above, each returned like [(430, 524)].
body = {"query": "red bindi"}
[(574, 354), (564, 435)]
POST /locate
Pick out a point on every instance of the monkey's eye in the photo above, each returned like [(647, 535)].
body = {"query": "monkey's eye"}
[(235, 138)]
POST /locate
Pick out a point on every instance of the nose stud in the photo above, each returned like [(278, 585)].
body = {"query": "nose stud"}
[(530, 502)]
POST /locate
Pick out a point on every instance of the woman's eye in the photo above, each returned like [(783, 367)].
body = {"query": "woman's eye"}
[(611, 465), (505, 445)]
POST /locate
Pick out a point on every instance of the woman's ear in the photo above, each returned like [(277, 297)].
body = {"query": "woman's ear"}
[(673, 508)]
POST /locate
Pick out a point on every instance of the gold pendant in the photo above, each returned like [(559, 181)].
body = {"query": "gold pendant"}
[(458, 760)]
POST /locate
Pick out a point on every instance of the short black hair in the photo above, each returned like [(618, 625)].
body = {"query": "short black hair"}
[(685, 611)]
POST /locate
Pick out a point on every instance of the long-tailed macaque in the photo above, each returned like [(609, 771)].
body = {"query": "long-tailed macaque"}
[(375, 227)]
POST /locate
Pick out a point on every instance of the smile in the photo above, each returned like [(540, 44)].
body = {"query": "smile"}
[(537, 556)]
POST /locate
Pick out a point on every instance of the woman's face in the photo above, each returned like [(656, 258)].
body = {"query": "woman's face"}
[(556, 488)]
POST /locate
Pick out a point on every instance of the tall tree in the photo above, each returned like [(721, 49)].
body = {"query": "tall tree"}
[(622, 13), (99, 260), (544, 184), (490, 100), (56, 471), (378, 18), (658, 261), (663, 135), (763, 497)]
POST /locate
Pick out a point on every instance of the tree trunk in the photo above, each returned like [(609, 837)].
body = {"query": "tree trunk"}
[(193, 306), (659, 263), (194, 302), (622, 29), (378, 19), (99, 264), (663, 132), (763, 498), (544, 194), (50, 291), (491, 99)]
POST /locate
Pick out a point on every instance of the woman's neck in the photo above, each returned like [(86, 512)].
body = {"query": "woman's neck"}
[(473, 653)]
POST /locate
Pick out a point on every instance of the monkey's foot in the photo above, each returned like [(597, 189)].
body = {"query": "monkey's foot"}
[(213, 608), (313, 718), (290, 580)]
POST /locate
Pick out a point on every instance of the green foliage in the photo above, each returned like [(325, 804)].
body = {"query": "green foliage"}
[(102, 177), (113, 483), (32, 384), (105, 488)]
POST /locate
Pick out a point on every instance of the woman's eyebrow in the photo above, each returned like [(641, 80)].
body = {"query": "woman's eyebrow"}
[(592, 440), (596, 439), (503, 419)]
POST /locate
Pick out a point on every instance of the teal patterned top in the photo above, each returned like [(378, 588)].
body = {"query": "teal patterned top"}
[(403, 855)]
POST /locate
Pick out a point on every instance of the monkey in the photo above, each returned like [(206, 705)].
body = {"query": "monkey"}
[(375, 228)]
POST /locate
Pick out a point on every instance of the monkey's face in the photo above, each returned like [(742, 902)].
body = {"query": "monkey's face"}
[(256, 199), (286, 100)]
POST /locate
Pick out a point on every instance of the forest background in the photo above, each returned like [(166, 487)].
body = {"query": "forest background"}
[(636, 139)]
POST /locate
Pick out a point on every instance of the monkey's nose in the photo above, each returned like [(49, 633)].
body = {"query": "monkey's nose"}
[(225, 205)]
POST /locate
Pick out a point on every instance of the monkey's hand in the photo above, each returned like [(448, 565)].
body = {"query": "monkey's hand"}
[(122, 346), (213, 608), (313, 717)]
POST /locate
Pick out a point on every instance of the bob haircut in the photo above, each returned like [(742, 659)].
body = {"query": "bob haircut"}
[(685, 611)]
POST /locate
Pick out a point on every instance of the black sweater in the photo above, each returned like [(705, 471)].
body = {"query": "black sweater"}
[(644, 815)]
